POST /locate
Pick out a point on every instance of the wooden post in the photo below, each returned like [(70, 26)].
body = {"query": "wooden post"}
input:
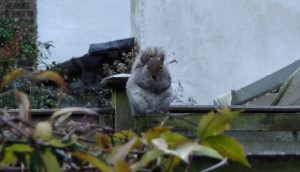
[(123, 117)]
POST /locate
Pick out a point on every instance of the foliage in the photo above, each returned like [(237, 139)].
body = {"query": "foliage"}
[(58, 145), (123, 65), (18, 45), (40, 94)]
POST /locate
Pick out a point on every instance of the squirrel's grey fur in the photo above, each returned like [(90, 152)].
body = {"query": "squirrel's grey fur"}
[(149, 85)]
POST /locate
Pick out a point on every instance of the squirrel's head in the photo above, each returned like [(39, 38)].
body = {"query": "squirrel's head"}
[(153, 59), (154, 67)]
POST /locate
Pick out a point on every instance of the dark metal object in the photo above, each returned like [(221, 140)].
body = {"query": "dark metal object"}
[(118, 45)]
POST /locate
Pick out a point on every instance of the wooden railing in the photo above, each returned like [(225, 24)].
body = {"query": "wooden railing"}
[(269, 134)]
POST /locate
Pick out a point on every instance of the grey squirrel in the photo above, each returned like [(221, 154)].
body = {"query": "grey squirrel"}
[(149, 85)]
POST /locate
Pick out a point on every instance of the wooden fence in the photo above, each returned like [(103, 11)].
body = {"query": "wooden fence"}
[(269, 134)]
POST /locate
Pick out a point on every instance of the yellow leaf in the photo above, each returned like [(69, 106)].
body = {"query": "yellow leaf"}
[(122, 166), (120, 152), (72, 110), (10, 77), (92, 160), (24, 106), (214, 124), (104, 142), (155, 132), (124, 136), (54, 77)]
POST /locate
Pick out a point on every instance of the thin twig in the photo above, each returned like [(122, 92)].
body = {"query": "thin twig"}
[(187, 169), (223, 162), (185, 120), (168, 114), (12, 125), (79, 138)]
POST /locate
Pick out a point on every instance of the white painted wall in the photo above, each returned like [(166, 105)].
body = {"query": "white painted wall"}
[(220, 45), (73, 25)]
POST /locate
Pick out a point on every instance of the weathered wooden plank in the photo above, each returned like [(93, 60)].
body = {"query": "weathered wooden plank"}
[(105, 115), (245, 109), (264, 136), (244, 122), (49, 112), (260, 163), (271, 147)]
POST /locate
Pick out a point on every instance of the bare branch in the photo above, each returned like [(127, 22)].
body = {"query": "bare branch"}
[(220, 164)]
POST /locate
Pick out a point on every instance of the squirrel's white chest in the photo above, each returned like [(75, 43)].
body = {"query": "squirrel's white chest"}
[(145, 95)]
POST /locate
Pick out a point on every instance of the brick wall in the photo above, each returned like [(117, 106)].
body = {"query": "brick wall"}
[(21, 9), (26, 11)]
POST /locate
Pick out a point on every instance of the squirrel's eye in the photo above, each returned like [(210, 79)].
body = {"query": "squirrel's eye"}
[(160, 68), (147, 69)]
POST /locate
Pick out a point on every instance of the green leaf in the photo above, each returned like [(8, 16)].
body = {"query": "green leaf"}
[(174, 139), (92, 160), (185, 150), (51, 162), (9, 159), (20, 148), (71, 140), (2, 151), (171, 162), (23, 158), (36, 162), (214, 124), (148, 157), (228, 147)]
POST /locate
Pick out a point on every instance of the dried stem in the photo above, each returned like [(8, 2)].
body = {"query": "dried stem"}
[(220, 164)]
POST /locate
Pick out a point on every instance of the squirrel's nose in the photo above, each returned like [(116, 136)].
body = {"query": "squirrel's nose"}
[(154, 77)]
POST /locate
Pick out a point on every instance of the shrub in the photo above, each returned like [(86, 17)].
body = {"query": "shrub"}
[(57, 145)]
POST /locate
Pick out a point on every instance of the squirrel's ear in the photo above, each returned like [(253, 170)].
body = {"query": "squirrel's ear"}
[(162, 58), (144, 58)]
